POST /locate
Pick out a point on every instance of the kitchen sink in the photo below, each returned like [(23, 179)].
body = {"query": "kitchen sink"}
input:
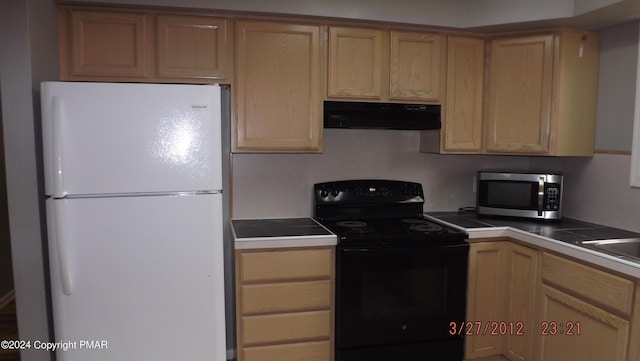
[(623, 248)]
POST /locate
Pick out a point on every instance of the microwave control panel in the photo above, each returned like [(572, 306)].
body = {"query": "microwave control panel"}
[(552, 196)]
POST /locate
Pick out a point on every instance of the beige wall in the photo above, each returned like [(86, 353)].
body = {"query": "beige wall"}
[(277, 185), (597, 189), (6, 271), (28, 55)]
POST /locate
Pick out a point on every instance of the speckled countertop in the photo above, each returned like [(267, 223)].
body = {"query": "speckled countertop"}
[(279, 233), (562, 236)]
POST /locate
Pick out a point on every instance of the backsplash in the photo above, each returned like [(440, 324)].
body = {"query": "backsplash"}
[(280, 185)]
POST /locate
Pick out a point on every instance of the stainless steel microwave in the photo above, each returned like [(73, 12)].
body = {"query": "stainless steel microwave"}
[(528, 195)]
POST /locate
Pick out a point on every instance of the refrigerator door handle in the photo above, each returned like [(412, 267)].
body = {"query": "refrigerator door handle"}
[(57, 110), (63, 259)]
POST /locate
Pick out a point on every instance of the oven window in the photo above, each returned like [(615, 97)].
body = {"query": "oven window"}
[(502, 194), (402, 295), (399, 295)]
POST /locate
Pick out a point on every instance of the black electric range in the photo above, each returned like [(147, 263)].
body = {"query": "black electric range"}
[(401, 279)]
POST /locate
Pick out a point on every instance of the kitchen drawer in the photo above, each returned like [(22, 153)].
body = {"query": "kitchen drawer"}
[(603, 288), (285, 297), (307, 351), (285, 265), (288, 327)]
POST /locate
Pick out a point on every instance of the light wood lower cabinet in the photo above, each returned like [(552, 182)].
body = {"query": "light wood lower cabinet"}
[(574, 330), (584, 313), (486, 296), (502, 284), (552, 307), (284, 304)]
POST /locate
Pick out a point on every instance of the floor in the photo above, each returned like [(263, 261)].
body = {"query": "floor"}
[(9, 331)]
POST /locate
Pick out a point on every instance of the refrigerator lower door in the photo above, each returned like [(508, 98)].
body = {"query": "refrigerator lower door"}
[(138, 278)]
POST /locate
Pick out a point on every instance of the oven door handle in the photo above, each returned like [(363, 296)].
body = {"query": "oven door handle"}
[(540, 195)]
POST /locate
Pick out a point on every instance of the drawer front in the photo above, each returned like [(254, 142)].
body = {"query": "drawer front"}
[(285, 265), (308, 351), (285, 297), (606, 289), (289, 327)]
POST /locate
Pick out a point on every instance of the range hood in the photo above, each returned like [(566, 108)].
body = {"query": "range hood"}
[(364, 115)]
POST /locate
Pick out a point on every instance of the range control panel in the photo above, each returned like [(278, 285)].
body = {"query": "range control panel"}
[(377, 192)]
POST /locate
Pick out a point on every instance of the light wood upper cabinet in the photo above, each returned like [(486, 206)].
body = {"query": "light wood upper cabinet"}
[(382, 65), (542, 94), (279, 87), (105, 43), (417, 66), (142, 46), (192, 46), (462, 120), (358, 58)]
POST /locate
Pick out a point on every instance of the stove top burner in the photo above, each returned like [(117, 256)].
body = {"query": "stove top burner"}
[(426, 228), (391, 231), (351, 224)]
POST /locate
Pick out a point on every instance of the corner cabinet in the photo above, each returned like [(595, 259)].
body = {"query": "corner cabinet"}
[(501, 297), (284, 304), (142, 46), (584, 310), (278, 87), (386, 65), (541, 94)]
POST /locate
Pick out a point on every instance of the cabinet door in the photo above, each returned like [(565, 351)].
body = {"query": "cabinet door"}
[(191, 46), (279, 99), (521, 295), (520, 87), (418, 66), (600, 335), (462, 123), (486, 296), (104, 43), (357, 66)]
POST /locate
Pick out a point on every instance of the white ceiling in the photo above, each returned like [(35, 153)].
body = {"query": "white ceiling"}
[(486, 15)]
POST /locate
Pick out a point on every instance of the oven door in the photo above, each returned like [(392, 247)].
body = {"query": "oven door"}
[(389, 296)]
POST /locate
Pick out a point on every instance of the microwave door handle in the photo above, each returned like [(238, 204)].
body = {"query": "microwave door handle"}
[(540, 195)]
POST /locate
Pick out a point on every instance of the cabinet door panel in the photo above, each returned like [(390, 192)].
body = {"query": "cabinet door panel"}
[(417, 66), (287, 265), (356, 62), (108, 44), (462, 124), (521, 286), (486, 298), (287, 327), (603, 336), (520, 87), (191, 46), (278, 87), (285, 297), (307, 351)]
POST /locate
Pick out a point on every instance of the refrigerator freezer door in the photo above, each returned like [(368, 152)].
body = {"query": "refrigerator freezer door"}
[(106, 138), (147, 288)]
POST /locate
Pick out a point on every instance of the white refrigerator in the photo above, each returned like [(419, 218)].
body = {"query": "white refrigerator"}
[(135, 220)]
